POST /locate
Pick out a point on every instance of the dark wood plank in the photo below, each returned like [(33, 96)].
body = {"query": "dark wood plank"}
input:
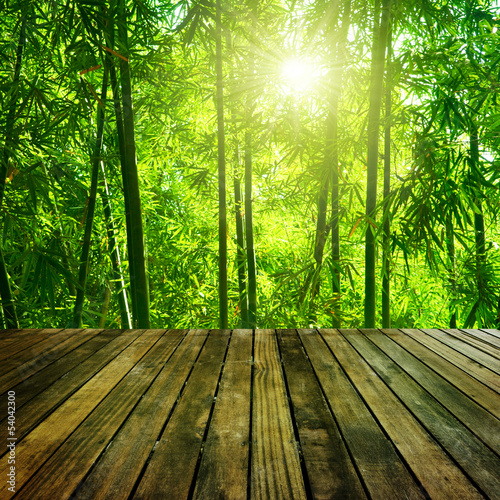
[(468, 350), (30, 361), (330, 471), (437, 473), (37, 408), (477, 391), (223, 471), (476, 419), (473, 368), (172, 465), (118, 469), (383, 472), (62, 473), (34, 384), (275, 463), (476, 459), (26, 340), (40, 443)]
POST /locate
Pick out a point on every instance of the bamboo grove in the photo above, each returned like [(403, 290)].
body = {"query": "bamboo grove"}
[(275, 163)]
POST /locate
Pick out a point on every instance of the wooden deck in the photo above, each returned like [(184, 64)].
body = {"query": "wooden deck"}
[(240, 414)]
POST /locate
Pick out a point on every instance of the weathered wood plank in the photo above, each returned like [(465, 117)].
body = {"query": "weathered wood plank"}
[(61, 474), (484, 336), (40, 406), (477, 460), (15, 346), (118, 469), (40, 443), (383, 472), (468, 350), (492, 331), (478, 420), (33, 385), (477, 391), (330, 471), (275, 464), (473, 368), (30, 361), (475, 339), (437, 473), (223, 471), (173, 462)]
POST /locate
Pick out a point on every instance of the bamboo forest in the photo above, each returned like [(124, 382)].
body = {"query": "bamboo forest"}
[(250, 164)]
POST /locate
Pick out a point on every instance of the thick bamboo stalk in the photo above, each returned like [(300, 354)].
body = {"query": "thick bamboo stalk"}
[(223, 305), (376, 86), (240, 252), (136, 247), (91, 202)]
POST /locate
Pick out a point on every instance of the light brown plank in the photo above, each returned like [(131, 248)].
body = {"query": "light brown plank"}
[(484, 336), (223, 471), (476, 459), (120, 466), (330, 471), (44, 440), (61, 474), (437, 473), (383, 472), (275, 464), (171, 468)]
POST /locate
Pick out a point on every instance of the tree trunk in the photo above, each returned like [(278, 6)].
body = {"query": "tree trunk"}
[(89, 220), (221, 152), (386, 241), (114, 252), (9, 309), (240, 252), (376, 87), (136, 248)]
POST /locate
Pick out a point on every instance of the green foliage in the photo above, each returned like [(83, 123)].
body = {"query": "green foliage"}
[(445, 79)]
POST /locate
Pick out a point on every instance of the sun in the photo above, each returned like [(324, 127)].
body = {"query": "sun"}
[(297, 74)]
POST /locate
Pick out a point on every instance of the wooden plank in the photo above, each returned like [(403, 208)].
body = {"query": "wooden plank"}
[(33, 385), (18, 368), (330, 471), (476, 459), (62, 473), (468, 350), (44, 440), (37, 408), (492, 331), (172, 465), (223, 471), (383, 472), (120, 466), (474, 369), (437, 473), (275, 463), (23, 343), (483, 336), (480, 422), (474, 338), (477, 391)]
